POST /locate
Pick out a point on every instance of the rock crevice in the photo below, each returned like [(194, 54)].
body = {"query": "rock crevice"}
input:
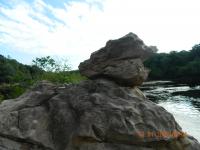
[(120, 60), (105, 112)]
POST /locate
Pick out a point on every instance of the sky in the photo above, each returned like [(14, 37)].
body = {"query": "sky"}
[(73, 29)]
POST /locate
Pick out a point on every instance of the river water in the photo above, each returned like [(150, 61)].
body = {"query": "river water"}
[(180, 100)]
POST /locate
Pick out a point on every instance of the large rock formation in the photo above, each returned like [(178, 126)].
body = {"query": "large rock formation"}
[(98, 114), (120, 60)]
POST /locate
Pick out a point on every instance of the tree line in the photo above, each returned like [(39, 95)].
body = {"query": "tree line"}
[(181, 67), (15, 77)]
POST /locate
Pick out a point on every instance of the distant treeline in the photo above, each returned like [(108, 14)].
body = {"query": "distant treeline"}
[(15, 77), (182, 67)]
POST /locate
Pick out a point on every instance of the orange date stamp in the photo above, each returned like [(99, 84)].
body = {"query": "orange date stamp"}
[(160, 134)]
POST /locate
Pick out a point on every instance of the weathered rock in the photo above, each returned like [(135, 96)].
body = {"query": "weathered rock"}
[(92, 115), (98, 114), (120, 60)]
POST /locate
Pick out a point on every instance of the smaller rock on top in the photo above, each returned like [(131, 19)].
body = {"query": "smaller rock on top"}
[(120, 60)]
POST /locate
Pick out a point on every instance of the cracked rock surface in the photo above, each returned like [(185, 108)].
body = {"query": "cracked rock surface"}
[(92, 115), (102, 113), (120, 60)]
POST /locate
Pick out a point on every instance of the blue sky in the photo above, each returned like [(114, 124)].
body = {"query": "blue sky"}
[(73, 29)]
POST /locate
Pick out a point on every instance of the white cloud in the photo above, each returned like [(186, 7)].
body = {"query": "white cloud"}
[(80, 28)]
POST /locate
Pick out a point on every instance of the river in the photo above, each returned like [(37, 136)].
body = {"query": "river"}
[(180, 100)]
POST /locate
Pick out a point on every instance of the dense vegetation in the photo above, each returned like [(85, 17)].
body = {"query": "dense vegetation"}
[(182, 67), (15, 77)]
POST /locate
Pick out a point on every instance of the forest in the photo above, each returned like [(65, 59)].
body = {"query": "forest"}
[(15, 78), (181, 67)]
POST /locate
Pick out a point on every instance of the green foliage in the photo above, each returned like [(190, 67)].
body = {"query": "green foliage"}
[(49, 64), (195, 52), (57, 71), (8, 91), (181, 65), (12, 71), (15, 77), (63, 77), (1, 98), (6, 70), (75, 77)]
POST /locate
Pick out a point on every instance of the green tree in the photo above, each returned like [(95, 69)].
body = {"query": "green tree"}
[(7, 71), (195, 52), (46, 63), (49, 64), (183, 66)]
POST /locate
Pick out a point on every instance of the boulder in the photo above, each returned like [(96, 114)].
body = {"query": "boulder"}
[(106, 113), (92, 115), (120, 60)]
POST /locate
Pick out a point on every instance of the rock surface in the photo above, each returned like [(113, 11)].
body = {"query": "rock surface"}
[(120, 60), (100, 114), (92, 115)]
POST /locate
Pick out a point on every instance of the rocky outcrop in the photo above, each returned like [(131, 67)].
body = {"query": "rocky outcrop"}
[(92, 115), (98, 114), (120, 60)]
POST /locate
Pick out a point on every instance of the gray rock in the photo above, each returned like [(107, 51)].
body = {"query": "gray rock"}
[(98, 114), (120, 60), (92, 115)]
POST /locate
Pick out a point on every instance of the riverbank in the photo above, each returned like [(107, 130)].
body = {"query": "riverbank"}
[(181, 100)]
